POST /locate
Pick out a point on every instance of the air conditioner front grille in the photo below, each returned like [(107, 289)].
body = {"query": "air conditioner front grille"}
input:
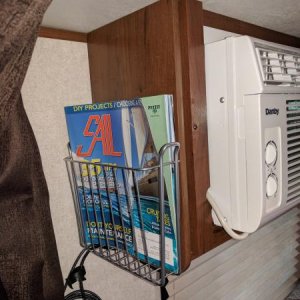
[(293, 149), (279, 66)]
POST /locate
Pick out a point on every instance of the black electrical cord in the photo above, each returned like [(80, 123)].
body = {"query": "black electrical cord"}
[(88, 295), (77, 274)]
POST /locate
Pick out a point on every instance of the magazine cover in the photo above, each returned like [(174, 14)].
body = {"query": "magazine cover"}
[(125, 133)]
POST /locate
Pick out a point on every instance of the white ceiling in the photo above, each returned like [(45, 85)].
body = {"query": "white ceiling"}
[(279, 15), (87, 15)]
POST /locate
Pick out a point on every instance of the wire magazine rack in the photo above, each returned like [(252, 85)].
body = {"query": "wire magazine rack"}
[(110, 213)]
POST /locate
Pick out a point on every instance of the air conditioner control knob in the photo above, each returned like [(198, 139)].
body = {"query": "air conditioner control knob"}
[(271, 153), (272, 185)]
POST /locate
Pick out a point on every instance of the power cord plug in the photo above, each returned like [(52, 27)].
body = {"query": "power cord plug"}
[(77, 274)]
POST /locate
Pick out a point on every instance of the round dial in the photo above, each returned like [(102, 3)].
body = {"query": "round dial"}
[(271, 185), (271, 153)]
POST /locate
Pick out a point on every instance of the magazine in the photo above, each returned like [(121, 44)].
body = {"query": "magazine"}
[(116, 204)]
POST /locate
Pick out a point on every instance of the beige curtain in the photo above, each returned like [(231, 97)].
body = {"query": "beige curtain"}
[(29, 267)]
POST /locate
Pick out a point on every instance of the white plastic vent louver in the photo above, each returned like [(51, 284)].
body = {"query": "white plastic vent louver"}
[(278, 66), (293, 140)]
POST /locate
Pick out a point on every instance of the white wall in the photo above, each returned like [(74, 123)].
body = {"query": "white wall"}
[(58, 76)]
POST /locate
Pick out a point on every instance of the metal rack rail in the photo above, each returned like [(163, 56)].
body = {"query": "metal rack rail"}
[(117, 222)]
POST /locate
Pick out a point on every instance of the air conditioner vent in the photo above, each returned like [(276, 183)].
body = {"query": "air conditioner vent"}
[(279, 66), (293, 153)]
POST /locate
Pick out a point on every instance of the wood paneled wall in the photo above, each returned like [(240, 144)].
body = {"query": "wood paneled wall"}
[(60, 34), (160, 50), (218, 21)]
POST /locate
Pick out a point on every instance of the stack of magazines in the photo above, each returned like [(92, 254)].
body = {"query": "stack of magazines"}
[(119, 208)]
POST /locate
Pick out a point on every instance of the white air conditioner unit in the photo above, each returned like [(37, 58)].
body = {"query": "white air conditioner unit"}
[(253, 107)]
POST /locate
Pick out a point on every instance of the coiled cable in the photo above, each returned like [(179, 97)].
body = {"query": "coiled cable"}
[(77, 274), (86, 294), (222, 219)]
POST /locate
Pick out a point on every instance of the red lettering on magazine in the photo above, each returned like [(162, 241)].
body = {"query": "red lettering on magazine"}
[(102, 134)]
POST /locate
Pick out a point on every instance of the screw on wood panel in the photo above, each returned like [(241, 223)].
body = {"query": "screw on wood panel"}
[(195, 126), (222, 99)]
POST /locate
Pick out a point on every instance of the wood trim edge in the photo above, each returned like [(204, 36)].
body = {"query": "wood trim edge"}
[(222, 22), (61, 34)]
